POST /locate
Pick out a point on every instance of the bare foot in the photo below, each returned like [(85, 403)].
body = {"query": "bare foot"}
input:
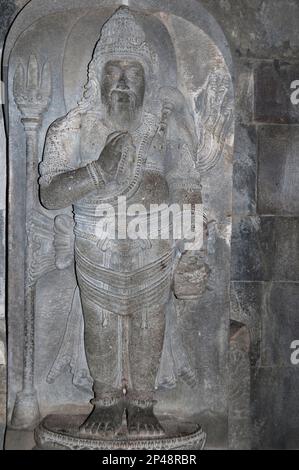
[(104, 420), (143, 422)]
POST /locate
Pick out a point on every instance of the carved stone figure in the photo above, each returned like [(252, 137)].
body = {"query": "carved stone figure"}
[(126, 138), (117, 334)]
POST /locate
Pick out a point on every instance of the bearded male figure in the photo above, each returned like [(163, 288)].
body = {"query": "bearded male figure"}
[(118, 143)]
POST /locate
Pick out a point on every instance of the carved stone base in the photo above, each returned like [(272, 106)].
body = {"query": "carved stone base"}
[(26, 411), (62, 432)]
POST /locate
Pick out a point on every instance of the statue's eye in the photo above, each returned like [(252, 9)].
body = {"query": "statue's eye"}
[(113, 73), (134, 74)]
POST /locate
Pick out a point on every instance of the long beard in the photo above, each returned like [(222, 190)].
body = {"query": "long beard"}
[(122, 107)]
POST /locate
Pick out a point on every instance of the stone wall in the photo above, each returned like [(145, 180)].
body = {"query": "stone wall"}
[(264, 39)]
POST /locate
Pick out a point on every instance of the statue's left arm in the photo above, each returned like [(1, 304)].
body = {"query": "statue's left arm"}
[(185, 188)]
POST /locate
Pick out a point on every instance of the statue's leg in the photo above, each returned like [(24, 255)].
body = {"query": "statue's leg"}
[(101, 346), (146, 343)]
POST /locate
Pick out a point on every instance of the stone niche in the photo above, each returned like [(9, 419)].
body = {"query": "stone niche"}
[(46, 57)]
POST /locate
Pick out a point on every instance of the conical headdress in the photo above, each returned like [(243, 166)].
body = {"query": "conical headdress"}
[(123, 37)]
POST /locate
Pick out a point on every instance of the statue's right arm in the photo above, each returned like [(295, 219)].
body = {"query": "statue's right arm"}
[(62, 181), (66, 188)]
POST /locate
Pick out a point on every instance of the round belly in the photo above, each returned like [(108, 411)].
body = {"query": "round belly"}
[(152, 190), (124, 275), (122, 240)]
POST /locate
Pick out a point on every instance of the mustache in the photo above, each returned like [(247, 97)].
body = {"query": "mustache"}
[(118, 91), (123, 109), (131, 98)]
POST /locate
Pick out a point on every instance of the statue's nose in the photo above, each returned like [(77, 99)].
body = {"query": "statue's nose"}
[(122, 83)]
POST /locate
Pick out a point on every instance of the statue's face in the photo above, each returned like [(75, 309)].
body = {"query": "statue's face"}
[(122, 89)]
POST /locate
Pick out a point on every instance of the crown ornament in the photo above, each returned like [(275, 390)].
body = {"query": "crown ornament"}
[(121, 36)]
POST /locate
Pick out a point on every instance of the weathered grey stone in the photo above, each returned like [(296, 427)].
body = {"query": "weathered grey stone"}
[(245, 171), (2, 264), (265, 248), (280, 302), (2, 431), (2, 379), (216, 426), (239, 387), (19, 440), (247, 308), (239, 434), (259, 28), (3, 396), (8, 9), (180, 126), (273, 92), (278, 175), (269, 310), (2, 209), (275, 422), (244, 90)]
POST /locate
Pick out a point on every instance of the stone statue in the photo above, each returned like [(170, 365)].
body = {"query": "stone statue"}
[(126, 138)]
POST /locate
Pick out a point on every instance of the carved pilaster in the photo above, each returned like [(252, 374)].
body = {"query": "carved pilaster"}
[(32, 93)]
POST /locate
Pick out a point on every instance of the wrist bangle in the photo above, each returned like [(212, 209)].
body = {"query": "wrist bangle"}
[(95, 175)]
